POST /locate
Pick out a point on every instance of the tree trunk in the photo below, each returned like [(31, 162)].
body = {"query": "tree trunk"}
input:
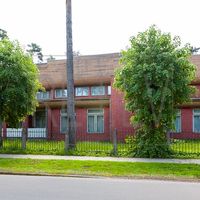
[(24, 135), (70, 79), (1, 138)]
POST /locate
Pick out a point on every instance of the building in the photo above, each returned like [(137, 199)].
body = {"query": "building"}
[(99, 108)]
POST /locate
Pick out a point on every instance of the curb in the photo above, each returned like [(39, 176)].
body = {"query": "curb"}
[(155, 178)]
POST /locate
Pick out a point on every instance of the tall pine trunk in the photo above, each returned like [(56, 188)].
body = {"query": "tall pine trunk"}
[(70, 82)]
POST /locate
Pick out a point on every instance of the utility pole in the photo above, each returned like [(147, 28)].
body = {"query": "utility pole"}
[(70, 139)]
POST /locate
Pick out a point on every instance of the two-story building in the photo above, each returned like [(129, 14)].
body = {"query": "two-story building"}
[(99, 108)]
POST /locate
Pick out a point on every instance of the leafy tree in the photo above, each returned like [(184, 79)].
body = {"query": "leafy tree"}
[(155, 77), (3, 34), (195, 50), (35, 50), (19, 83)]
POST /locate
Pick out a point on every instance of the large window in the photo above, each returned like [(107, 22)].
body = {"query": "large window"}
[(40, 119), (109, 90), (63, 120), (178, 122), (61, 93), (82, 91), (98, 90), (95, 121), (43, 95), (196, 120)]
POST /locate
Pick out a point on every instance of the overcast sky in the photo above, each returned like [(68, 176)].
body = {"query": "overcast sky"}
[(99, 26)]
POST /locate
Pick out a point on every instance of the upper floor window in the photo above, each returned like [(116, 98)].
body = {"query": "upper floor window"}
[(82, 91), (109, 90), (196, 120), (43, 95), (98, 90), (61, 93)]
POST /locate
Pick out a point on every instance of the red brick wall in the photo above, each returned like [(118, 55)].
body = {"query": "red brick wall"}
[(55, 124), (186, 120), (115, 116), (186, 125), (81, 120), (82, 134), (120, 118)]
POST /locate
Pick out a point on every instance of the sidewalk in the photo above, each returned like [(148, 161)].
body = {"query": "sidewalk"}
[(147, 160)]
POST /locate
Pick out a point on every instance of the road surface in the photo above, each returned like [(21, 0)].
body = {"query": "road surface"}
[(61, 188)]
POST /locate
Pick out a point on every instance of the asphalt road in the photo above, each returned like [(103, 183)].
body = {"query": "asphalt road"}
[(58, 188)]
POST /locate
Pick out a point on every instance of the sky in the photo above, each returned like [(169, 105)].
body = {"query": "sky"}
[(99, 26)]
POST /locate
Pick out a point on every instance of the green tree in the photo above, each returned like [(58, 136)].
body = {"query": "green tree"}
[(19, 83), (155, 77), (3, 34), (195, 50), (35, 50)]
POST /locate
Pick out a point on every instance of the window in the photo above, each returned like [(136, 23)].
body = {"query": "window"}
[(61, 93), (98, 90), (40, 119), (196, 120), (82, 91), (109, 90), (43, 95), (63, 120), (95, 121), (178, 122)]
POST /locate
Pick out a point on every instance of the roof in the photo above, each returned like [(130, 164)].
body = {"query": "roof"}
[(88, 70)]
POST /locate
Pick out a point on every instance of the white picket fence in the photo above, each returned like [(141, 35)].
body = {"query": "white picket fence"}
[(32, 132)]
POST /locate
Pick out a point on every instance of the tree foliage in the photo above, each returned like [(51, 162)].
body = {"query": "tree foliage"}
[(3, 34), (155, 77), (195, 50), (18, 83), (35, 50)]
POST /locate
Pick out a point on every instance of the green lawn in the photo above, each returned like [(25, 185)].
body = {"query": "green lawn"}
[(181, 148), (101, 168)]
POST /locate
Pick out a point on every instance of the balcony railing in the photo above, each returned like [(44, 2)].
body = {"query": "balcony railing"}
[(32, 132)]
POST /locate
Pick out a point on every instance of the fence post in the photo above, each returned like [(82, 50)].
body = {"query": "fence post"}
[(115, 142)]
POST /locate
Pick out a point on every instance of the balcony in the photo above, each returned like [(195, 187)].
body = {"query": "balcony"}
[(32, 132)]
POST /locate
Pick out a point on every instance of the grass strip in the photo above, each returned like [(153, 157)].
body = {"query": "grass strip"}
[(100, 168), (181, 148)]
